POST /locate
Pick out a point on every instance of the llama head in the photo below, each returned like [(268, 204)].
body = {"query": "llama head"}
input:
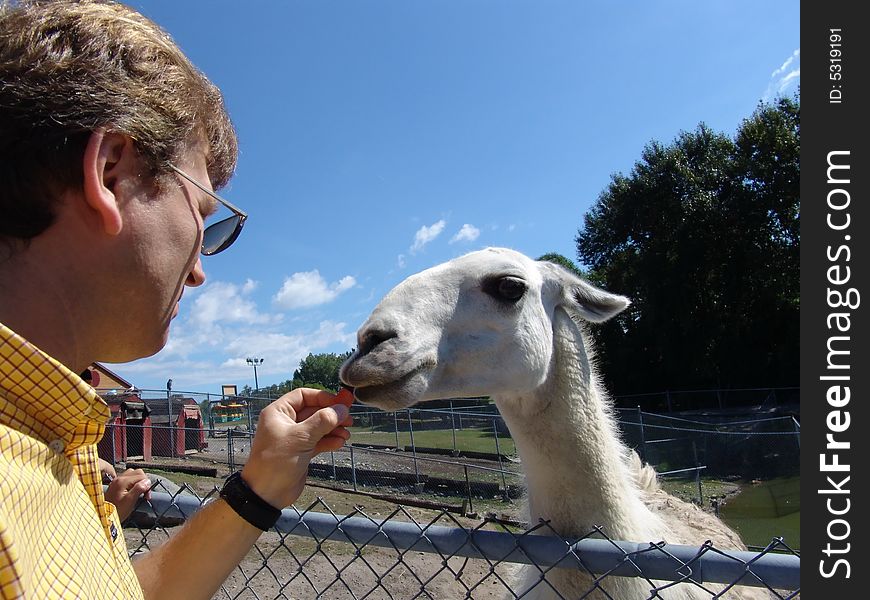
[(478, 325)]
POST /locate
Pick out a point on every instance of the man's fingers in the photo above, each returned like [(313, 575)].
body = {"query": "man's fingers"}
[(307, 412), (141, 487), (333, 441), (300, 398), (323, 421)]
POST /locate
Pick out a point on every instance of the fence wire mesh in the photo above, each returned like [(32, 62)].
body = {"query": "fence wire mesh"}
[(444, 470), (313, 552)]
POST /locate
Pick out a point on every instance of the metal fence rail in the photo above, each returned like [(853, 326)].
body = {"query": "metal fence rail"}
[(421, 558)]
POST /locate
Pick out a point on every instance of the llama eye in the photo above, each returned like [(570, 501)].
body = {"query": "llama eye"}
[(508, 289)]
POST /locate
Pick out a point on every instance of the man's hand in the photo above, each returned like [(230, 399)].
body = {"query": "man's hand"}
[(125, 489), (290, 432)]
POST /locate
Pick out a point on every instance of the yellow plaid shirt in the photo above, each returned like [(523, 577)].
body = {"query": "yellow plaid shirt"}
[(59, 538)]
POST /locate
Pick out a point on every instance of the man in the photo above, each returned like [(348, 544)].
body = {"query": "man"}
[(111, 143)]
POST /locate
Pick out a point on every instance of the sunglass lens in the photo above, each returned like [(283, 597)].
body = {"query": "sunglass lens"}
[(221, 235)]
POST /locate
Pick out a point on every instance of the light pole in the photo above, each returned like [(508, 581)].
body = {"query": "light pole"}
[(255, 362)]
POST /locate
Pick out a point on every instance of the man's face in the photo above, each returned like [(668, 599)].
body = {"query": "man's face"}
[(161, 254)]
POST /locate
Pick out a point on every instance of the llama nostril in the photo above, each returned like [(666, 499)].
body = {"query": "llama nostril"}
[(373, 338)]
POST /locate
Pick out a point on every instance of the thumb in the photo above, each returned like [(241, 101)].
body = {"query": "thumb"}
[(325, 420)]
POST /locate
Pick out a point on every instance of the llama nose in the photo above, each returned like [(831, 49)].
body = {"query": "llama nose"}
[(373, 337)]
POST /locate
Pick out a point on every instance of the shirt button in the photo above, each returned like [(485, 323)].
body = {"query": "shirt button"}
[(57, 445)]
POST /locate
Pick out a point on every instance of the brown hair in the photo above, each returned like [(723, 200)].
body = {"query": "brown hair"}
[(69, 67)]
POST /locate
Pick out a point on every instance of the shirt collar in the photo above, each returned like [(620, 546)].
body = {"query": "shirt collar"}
[(41, 397)]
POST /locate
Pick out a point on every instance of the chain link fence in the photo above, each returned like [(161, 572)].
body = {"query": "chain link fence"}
[(457, 462), (313, 552)]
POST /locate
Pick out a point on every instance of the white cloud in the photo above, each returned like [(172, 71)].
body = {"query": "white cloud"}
[(226, 302), (309, 288), (788, 62), (401, 261), (426, 234), (281, 350), (467, 233), (786, 77)]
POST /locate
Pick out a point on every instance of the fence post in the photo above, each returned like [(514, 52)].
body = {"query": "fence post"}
[(115, 448), (353, 467), (500, 465), (642, 435), (396, 427), (334, 470), (230, 452), (171, 428), (413, 448), (698, 474), (250, 418), (468, 491), (797, 431), (453, 428)]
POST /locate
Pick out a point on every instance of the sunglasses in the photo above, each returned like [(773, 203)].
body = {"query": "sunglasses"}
[(219, 236)]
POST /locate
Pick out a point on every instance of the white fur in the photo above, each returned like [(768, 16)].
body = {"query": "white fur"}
[(443, 333)]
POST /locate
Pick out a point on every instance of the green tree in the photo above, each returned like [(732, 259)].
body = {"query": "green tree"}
[(320, 370), (555, 257), (704, 237)]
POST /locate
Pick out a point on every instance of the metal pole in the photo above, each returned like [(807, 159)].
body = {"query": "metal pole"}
[(468, 490), (396, 427), (698, 474), (617, 558), (114, 443), (642, 436), (230, 451), (352, 467), (498, 453), (453, 428), (255, 362), (413, 447), (169, 407)]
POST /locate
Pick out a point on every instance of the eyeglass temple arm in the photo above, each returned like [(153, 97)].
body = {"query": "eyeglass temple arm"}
[(223, 201)]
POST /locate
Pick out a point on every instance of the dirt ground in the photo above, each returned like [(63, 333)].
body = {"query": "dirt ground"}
[(290, 566)]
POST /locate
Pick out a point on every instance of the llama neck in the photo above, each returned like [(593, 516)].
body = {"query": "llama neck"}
[(571, 454)]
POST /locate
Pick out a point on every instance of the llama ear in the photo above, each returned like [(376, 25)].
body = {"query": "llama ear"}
[(594, 304)]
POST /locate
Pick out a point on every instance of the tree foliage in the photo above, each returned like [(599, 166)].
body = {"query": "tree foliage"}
[(564, 261), (320, 370), (704, 237)]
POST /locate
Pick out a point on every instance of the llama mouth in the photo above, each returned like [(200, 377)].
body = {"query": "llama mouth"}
[(394, 395)]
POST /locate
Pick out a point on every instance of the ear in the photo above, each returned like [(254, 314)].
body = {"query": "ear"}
[(582, 298), (106, 159), (594, 304)]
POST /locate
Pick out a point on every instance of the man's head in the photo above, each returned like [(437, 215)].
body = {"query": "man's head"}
[(68, 69), (111, 142)]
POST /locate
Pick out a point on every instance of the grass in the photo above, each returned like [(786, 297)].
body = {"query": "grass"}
[(473, 440), (687, 489), (766, 510)]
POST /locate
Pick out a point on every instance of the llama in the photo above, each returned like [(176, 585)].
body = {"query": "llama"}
[(496, 323)]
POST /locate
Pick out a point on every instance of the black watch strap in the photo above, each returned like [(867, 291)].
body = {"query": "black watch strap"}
[(248, 504)]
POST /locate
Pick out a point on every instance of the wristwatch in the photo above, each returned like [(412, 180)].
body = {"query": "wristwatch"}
[(248, 504)]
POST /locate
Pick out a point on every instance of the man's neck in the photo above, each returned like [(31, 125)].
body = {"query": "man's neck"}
[(38, 305)]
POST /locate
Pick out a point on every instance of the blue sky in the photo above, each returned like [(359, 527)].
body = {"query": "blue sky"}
[(379, 138)]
